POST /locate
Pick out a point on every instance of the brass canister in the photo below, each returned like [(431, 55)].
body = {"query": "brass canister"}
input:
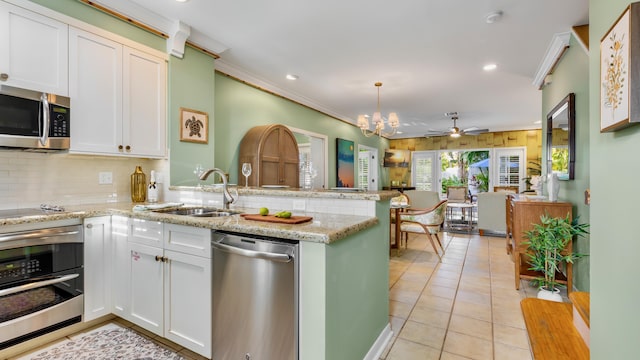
[(138, 185)]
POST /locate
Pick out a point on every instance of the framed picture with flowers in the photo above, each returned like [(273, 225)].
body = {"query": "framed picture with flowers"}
[(620, 72)]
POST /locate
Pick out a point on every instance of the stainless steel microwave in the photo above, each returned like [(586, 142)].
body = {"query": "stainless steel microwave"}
[(33, 120)]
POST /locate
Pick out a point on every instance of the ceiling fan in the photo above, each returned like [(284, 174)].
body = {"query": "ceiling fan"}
[(455, 131)]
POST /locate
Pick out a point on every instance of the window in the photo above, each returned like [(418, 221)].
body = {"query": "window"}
[(423, 170), (509, 165), (367, 168)]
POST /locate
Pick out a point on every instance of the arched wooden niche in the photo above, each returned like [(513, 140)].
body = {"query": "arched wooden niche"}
[(272, 151)]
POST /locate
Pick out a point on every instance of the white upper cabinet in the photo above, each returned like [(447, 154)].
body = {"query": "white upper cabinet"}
[(118, 98), (144, 104), (96, 92), (33, 51)]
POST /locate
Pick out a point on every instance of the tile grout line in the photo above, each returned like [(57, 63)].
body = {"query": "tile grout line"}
[(466, 252)]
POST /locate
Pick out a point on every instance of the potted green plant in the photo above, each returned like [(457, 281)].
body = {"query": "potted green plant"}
[(547, 242)]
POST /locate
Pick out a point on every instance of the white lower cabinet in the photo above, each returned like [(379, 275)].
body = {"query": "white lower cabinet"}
[(121, 266), (167, 292), (97, 267), (146, 281), (187, 295)]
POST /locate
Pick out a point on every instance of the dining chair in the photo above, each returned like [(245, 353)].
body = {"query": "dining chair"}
[(457, 194), (424, 221)]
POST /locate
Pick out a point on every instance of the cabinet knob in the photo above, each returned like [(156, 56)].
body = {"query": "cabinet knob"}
[(120, 147), (159, 258), (4, 77), (165, 259), (89, 226), (128, 148)]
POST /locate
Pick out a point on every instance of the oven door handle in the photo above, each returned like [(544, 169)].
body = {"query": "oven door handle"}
[(39, 235), (38, 284)]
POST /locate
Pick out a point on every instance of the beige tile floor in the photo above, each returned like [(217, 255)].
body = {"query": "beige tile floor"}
[(463, 308)]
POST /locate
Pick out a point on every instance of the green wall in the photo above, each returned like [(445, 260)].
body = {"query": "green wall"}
[(571, 76), (344, 293), (615, 294), (191, 86), (239, 107)]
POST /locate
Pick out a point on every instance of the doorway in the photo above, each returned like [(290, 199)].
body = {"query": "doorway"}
[(367, 167)]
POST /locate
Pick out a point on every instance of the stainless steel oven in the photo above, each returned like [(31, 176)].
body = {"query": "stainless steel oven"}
[(41, 282)]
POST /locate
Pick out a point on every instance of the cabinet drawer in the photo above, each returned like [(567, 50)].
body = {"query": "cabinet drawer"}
[(146, 232), (187, 239)]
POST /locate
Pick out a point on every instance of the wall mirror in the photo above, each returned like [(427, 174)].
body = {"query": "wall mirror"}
[(313, 147), (561, 139)]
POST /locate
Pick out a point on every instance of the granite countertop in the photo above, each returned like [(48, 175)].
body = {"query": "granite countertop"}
[(323, 228), (346, 193)]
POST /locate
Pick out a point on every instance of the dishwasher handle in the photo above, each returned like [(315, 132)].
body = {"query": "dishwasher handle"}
[(284, 258)]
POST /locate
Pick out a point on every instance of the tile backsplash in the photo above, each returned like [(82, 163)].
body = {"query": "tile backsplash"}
[(28, 179)]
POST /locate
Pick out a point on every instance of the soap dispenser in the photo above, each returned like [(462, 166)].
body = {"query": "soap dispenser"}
[(152, 191)]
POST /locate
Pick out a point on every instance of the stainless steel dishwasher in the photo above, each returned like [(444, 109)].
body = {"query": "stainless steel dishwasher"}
[(255, 297)]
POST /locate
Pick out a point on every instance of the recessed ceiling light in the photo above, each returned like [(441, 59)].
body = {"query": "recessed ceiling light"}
[(292, 77), (182, 1), (399, 132), (490, 67), (493, 17), (538, 122)]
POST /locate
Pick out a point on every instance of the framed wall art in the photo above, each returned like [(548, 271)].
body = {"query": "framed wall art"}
[(620, 72), (345, 174), (397, 158), (194, 126)]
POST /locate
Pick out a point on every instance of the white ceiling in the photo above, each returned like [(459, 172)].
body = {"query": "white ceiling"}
[(428, 54)]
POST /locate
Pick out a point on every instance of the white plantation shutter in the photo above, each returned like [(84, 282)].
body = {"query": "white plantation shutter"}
[(363, 169), (510, 167), (423, 170)]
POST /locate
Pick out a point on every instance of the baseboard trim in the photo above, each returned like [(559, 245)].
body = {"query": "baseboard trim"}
[(378, 347)]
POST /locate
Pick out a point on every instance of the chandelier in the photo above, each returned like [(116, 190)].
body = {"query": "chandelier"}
[(378, 121)]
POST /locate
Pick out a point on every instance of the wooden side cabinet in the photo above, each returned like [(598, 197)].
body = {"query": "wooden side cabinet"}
[(272, 151), (522, 214)]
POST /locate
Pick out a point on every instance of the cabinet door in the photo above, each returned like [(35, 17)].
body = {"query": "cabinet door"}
[(144, 104), (34, 51), (97, 267), (120, 265), (146, 279), (95, 88), (188, 301), (289, 160)]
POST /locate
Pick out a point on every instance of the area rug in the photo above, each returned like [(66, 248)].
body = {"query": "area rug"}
[(108, 342)]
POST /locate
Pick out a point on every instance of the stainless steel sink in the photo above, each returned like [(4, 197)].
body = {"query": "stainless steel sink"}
[(197, 212)]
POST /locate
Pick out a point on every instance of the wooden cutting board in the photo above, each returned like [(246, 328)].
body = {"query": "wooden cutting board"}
[(271, 218)]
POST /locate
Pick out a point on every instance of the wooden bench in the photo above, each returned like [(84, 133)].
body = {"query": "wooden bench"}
[(552, 334)]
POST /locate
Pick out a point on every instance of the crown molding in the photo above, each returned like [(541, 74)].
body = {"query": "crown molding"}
[(178, 31), (259, 83), (559, 43)]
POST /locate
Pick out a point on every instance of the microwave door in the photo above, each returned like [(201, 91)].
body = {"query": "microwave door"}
[(19, 116)]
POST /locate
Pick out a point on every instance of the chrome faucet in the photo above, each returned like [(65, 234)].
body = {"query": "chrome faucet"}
[(226, 195)]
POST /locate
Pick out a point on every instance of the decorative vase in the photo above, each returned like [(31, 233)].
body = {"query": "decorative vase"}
[(553, 186), (545, 294), (138, 185)]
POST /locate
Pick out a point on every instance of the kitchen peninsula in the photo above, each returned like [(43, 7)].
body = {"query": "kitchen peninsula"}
[(343, 278)]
